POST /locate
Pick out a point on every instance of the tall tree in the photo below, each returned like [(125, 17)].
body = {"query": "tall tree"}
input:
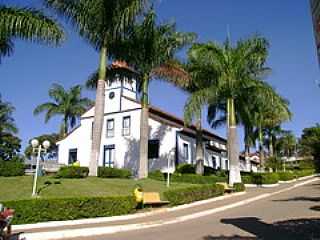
[(237, 68), (27, 24), (101, 23), (198, 79), (69, 104), (151, 51), (9, 143)]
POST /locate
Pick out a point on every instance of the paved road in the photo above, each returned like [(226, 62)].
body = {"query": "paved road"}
[(290, 215)]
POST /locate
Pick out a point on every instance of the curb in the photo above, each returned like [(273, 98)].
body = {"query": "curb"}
[(119, 218), (98, 231)]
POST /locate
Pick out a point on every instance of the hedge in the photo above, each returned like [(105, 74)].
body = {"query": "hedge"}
[(194, 193), (107, 172), (304, 173), (239, 187), (42, 210), (186, 169), (187, 178), (286, 176), (261, 178), (11, 168), (73, 172)]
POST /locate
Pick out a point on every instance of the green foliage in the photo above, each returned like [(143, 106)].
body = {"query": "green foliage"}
[(67, 103), (274, 163), (106, 172), (52, 151), (186, 169), (307, 164), (42, 210), (9, 146), (286, 176), (260, 178), (157, 175), (26, 24), (194, 193), (304, 173), (310, 144), (13, 167), (72, 172), (239, 187)]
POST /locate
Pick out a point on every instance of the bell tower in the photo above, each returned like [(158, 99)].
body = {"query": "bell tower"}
[(123, 84)]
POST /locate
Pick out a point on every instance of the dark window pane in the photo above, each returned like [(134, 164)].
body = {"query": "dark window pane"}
[(153, 149), (73, 155)]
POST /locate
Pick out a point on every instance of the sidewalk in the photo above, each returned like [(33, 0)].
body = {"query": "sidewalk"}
[(101, 226)]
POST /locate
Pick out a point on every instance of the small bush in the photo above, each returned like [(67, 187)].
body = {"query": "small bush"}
[(269, 178), (247, 179), (157, 175), (197, 179), (260, 178), (186, 169), (194, 193), (11, 168), (107, 172), (73, 172), (304, 173), (239, 187), (286, 176), (42, 210)]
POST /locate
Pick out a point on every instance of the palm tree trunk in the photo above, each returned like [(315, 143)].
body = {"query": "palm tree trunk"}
[(271, 152), (98, 115), (261, 153), (144, 130), (247, 147), (199, 148), (65, 130), (233, 145)]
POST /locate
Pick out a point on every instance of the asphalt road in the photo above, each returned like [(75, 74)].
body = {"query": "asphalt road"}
[(290, 215)]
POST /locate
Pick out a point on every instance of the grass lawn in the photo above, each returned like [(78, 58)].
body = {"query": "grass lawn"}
[(17, 188)]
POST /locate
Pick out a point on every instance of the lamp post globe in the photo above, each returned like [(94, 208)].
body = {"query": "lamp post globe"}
[(46, 144), (34, 143)]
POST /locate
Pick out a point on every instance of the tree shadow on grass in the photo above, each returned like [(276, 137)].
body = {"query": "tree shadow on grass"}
[(296, 229)]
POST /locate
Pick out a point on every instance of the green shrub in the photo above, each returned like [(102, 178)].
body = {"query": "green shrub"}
[(194, 193), (197, 179), (42, 210), (11, 168), (239, 187), (186, 169), (286, 176), (72, 172), (157, 175), (260, 178), (304, 173), (107, 172), (247, 179), (269, 178)]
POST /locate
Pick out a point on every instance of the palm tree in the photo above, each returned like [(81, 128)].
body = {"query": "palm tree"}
[(69, 104), (101, 23), (151, 52), (198, 79), (27, 24), (236, 69), (7, 124)]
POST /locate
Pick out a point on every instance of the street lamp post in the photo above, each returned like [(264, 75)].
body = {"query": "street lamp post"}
[(38, 147)]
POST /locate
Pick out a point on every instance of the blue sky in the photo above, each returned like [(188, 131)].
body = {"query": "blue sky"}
[(26, 76)]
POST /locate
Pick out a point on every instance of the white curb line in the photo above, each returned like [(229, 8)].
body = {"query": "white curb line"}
[(85, 232)]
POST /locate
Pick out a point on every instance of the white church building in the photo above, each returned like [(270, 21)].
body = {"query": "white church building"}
[(168, 136)]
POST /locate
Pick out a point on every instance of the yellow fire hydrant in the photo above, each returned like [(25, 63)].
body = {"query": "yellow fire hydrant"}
[(138, 193)]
